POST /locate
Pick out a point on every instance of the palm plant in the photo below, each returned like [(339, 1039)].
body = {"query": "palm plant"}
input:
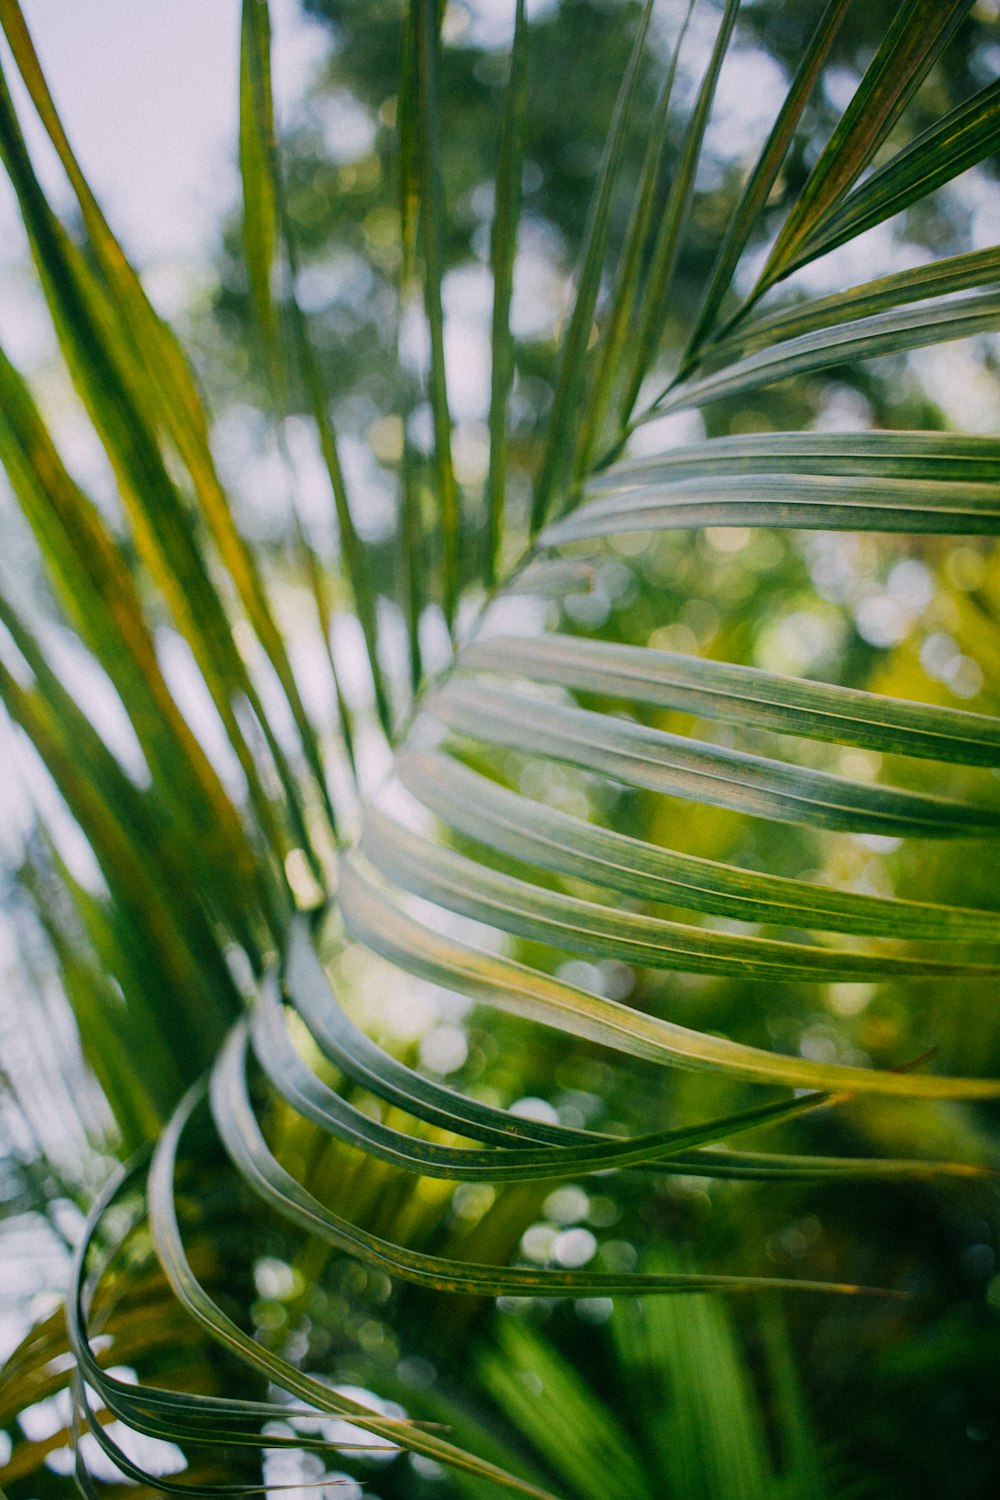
[(509, 858)]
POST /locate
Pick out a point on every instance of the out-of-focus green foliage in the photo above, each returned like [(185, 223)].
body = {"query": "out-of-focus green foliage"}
[(671, 591)]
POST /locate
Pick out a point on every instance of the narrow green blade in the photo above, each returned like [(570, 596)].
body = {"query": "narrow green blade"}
[(267, 227), (127, 839), (552, 840), (694, 770), (357, 1057), (209, 1316), (893, 332), (956, 273), (519, 1161), (570, 377), (194, 1298), (489, 979), (546, 1397), (919, 31), (244, 1140), (613, 341), (166, 532), (817, 502), (426, 25), (656, 299), (965, 137), (95, 586), (411, 522), (571, 924), (503, 247), (946, 457), (160, 375), (743, 695), (764, 175), (260, 204)]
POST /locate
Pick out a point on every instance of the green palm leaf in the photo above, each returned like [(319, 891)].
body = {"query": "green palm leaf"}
[(463, 876)]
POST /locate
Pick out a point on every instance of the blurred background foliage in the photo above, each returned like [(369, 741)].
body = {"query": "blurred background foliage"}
[(688, 1397)]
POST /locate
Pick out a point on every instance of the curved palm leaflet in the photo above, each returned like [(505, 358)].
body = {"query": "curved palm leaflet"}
[(468, 843)]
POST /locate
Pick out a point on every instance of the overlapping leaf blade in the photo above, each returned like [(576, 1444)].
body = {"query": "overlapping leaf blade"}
[(382, 925), (655, 305), (894, 331), (745, 695), (503, 247), (919, 31), (550, 839), (570, 378), (694, 769), (244, 1140), (144, 404), (571, 924), (961, 140)]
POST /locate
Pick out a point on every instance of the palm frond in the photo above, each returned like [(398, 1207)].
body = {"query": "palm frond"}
[(462, 877)]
